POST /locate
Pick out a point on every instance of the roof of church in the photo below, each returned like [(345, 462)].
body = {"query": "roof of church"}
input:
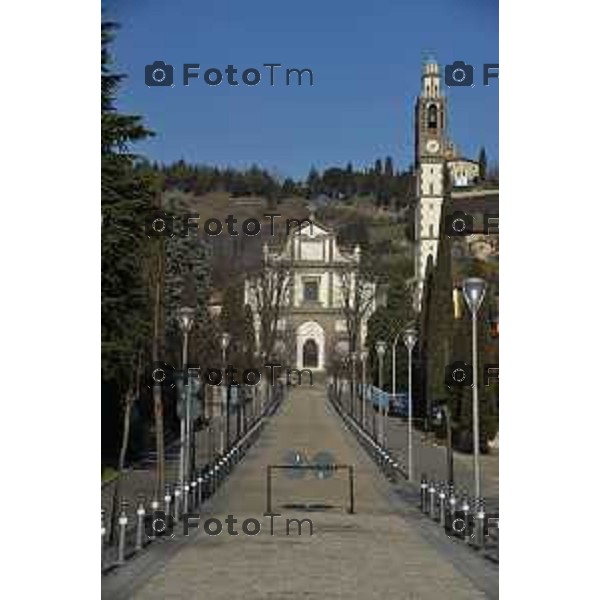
[(316, 225), (475, 199), (462, 159)]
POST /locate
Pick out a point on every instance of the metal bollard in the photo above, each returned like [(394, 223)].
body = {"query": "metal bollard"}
[(216, 477), (122, 532), (432, 500), (194, 493), (480, 525), (389, 463), (211, 482), (424, 487), (186, 498), (200, 482), (139, 534), (442, 503), (390, 467), (451, 507), (168, 500), (102, 539), (176, 504), (153, 507), (465, 509)]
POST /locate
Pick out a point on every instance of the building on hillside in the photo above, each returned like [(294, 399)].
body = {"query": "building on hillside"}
[(324, 300), (463, 171)]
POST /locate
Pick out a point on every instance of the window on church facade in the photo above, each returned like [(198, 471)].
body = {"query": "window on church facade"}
[(311, 290)]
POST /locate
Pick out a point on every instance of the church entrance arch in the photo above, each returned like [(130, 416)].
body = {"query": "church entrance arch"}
[(310, 346), (310, 354)]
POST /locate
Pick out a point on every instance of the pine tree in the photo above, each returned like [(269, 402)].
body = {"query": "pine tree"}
[(313, 182), (482, 165), (126, 256), (389, 167)]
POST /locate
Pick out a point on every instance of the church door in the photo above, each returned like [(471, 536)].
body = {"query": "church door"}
[(310, 355)]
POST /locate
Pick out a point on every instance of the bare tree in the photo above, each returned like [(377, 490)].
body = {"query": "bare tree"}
[(269, 289), (358, 297), (130, 396)]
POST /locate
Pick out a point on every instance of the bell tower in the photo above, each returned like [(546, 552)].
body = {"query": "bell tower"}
[(430, 150)]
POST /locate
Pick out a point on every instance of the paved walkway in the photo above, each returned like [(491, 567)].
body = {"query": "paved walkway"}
[(377, 552)]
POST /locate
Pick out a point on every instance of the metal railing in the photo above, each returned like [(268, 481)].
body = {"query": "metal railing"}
[(391, 465), (464, 518), (138, 527)]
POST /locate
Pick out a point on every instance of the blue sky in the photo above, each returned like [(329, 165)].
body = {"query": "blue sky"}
[(365, 57)]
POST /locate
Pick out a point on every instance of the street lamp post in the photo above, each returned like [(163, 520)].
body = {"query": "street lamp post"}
[(186, 320), (364, 355), (444, 413), (394, 364), (410, 339), (380, 347), (224, 344), (352, 382), (474, 291), (394, 390)]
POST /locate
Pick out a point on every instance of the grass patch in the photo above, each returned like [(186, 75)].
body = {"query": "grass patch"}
[(108, 473)]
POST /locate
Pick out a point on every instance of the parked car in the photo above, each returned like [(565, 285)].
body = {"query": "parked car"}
[(399, 405)]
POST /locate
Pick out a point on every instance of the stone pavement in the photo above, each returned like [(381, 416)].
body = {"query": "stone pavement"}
[(378, 552)]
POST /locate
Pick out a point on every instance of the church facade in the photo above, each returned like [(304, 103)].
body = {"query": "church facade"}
[(323, 298)]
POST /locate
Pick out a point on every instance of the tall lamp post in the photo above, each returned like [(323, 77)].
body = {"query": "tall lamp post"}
[(380, 348), (352, 382), (364, 355), (224, 344), (444, 413), (410, 339), (474, 291), (394, 364), (186, 320)]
